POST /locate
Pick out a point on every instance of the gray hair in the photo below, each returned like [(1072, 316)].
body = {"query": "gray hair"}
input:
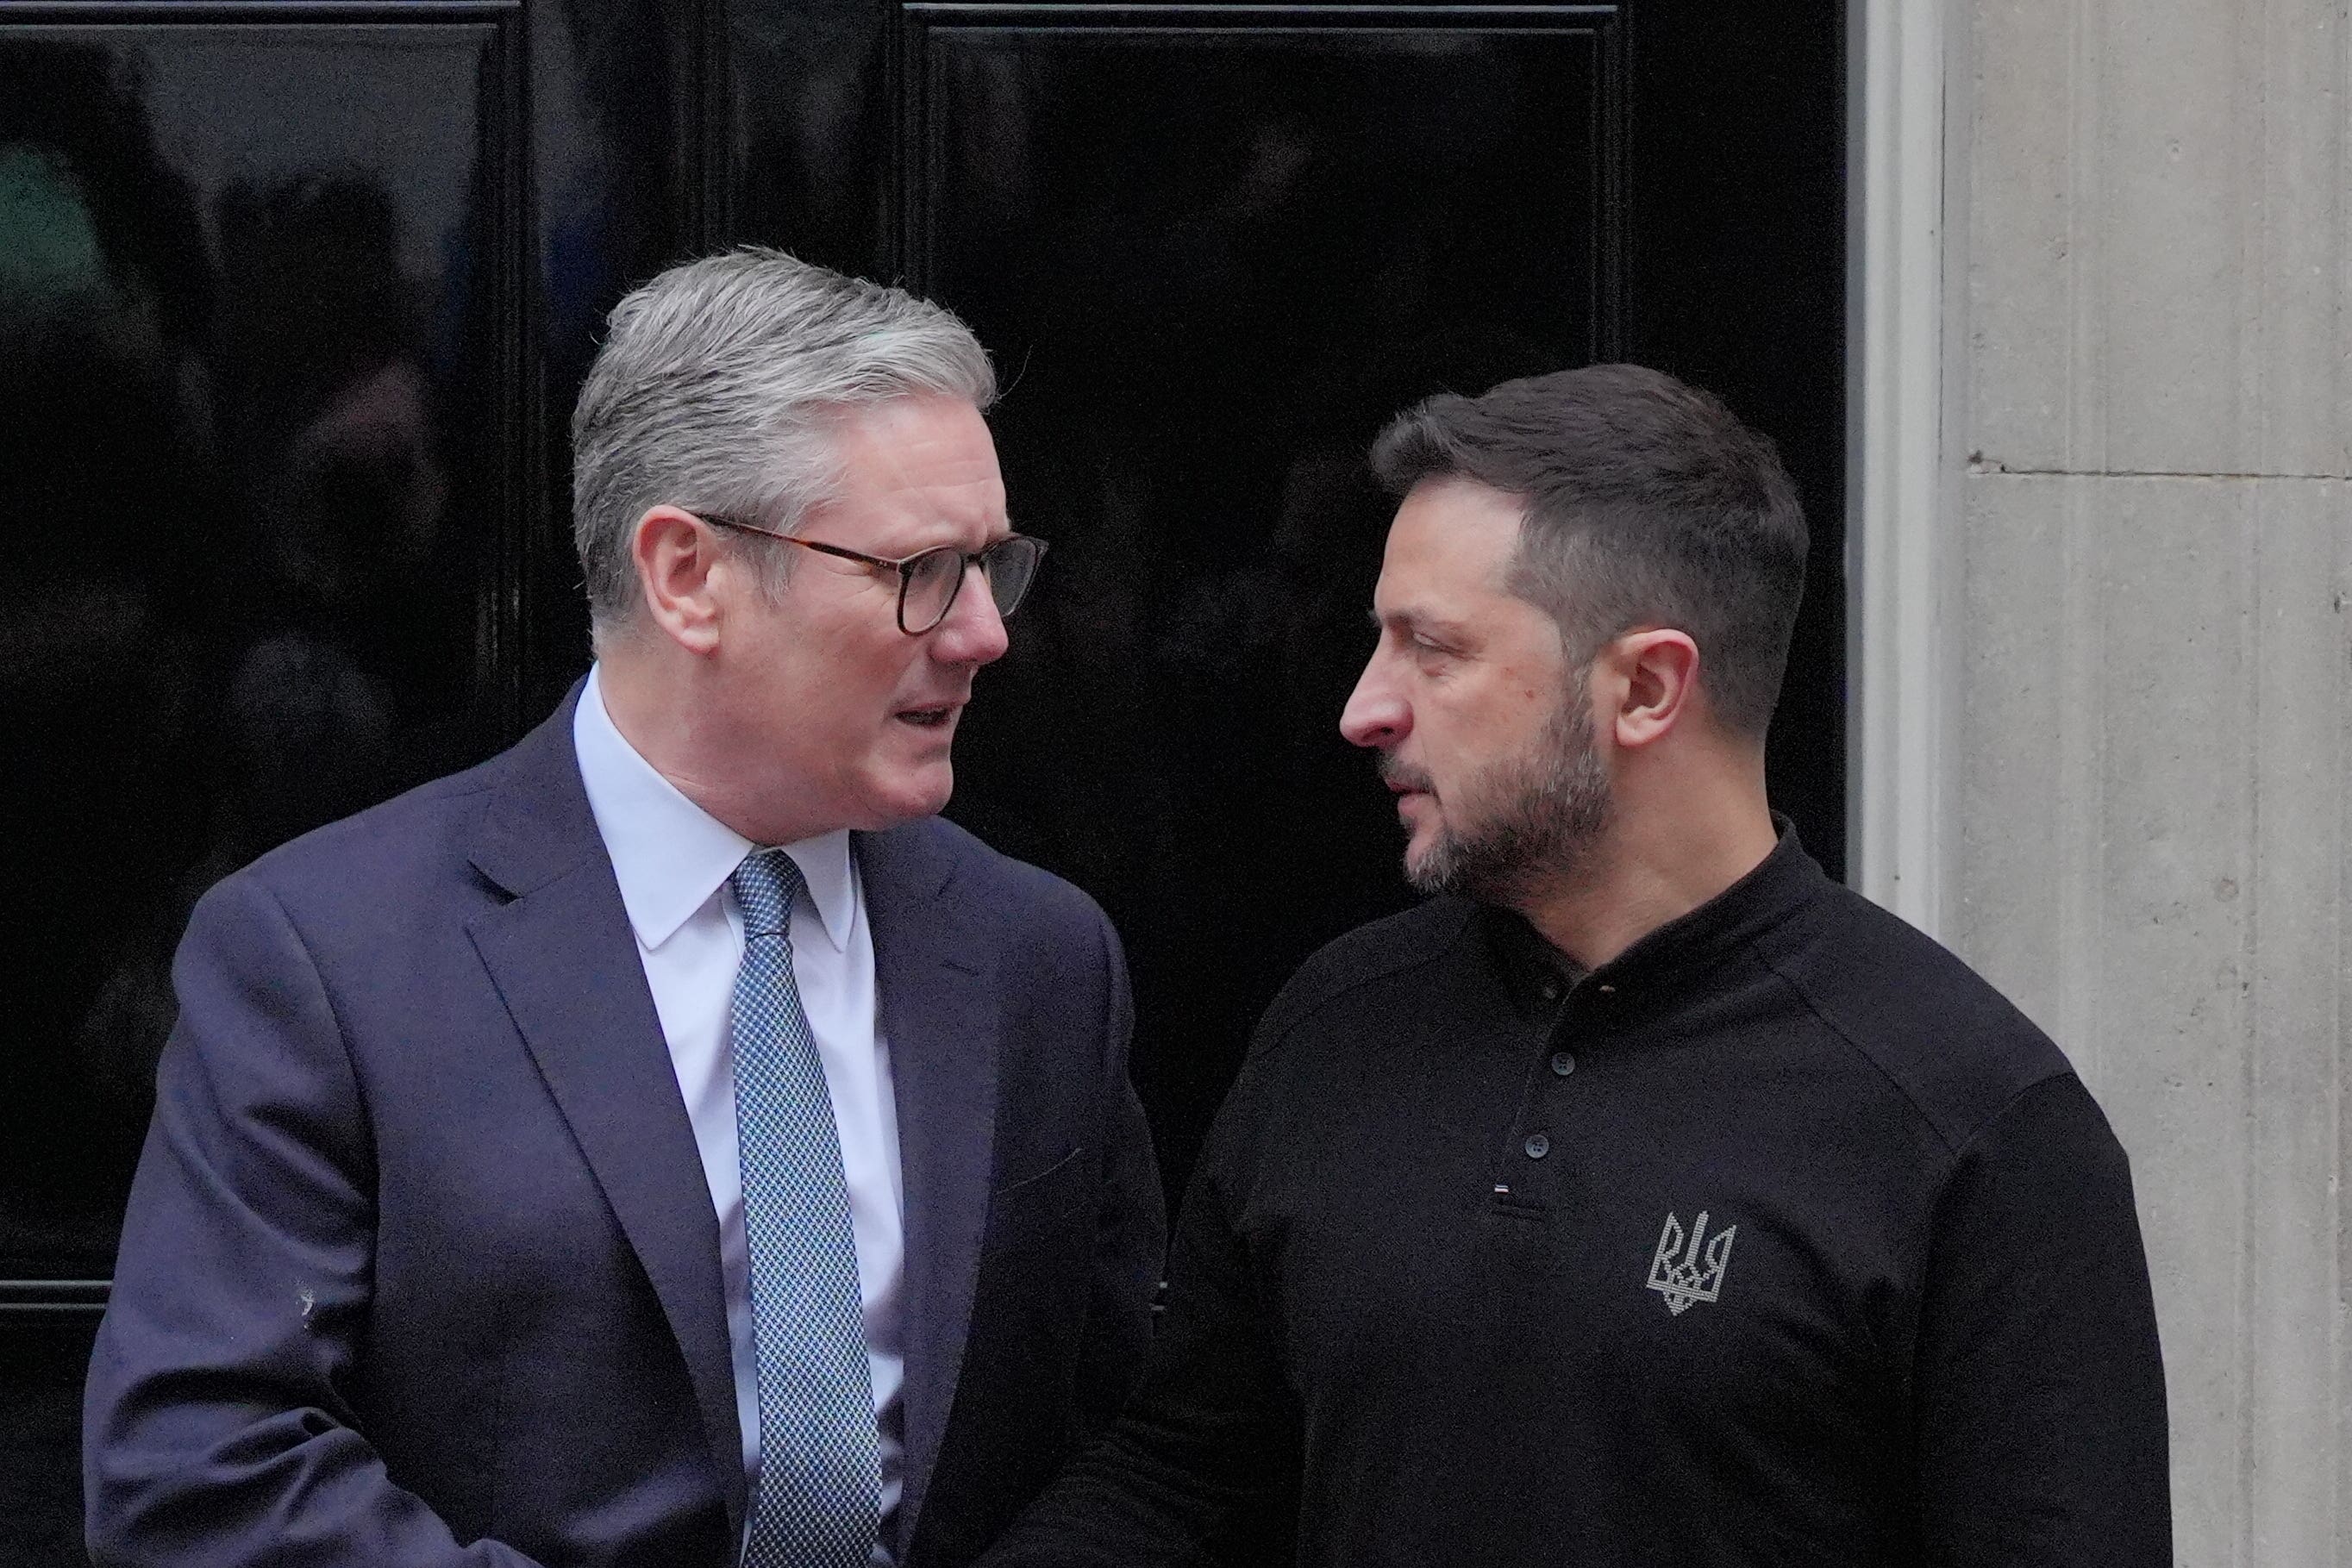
[(719, 386)]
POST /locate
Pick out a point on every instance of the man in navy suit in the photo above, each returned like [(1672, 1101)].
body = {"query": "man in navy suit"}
[(667, 1142)]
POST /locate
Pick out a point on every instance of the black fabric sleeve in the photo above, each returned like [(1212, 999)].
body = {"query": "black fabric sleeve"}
[(1210, 1437), (2039, 1391), (215, 1430)]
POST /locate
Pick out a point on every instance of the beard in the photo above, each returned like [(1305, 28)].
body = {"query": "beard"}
[(1523, 823)]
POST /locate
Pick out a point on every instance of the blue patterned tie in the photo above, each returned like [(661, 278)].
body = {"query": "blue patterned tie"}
[(820, 1458)]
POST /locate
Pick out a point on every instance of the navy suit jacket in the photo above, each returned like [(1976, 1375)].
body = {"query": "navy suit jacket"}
[(420, 1267)]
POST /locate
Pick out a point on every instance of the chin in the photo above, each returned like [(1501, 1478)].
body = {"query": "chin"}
[(1432, 863), (906, 799)]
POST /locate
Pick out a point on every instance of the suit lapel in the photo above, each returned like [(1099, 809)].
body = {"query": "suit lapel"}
[(937, 1007), (565, 962)]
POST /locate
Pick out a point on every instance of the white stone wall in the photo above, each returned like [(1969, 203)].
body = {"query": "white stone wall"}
[(2144, 810)]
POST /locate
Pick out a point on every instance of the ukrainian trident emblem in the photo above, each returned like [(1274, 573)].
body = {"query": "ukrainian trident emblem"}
[(1682, 1274)]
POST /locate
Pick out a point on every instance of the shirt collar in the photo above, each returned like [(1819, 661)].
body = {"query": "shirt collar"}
[(1785, 882), (1535, 973), (668, 854)]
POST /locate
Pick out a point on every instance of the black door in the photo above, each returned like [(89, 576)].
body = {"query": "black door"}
[(294, 298)]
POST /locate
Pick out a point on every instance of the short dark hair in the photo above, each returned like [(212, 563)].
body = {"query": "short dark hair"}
[(1648, 503)]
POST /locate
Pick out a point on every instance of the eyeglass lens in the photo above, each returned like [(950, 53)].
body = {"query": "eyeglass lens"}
[(933, 579)]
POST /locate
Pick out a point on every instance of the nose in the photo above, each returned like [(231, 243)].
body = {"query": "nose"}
[(974, 633), (1375, 715)]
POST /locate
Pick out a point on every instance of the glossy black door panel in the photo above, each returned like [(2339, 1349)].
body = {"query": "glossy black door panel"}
[(1190, 186), (294, 296), (45, 1340), (623, 179), (1213, 253), (292, 300), (262, 316), (1735, 242)]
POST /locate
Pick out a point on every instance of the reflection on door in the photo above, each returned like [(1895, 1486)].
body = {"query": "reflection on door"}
[(294, 299), (1214, 255)]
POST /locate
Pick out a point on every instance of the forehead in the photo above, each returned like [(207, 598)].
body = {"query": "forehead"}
[(1452, 543), (924, 462)]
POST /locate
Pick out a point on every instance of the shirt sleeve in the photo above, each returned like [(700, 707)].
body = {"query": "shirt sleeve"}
[(1208, 1445), (215, 1430), (2038, 1386)]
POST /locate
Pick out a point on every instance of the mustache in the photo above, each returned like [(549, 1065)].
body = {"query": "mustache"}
[(1398, 775)]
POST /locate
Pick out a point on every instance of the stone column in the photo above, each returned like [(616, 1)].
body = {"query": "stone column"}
[(2144, 810)]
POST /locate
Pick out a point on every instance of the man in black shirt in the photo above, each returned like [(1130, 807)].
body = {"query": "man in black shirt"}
[(1645, 1197)]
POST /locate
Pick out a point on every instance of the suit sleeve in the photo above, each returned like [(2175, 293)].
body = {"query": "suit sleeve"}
[(1209, 1442), (216, 1425), (1131, 1228), (2039, 1393)]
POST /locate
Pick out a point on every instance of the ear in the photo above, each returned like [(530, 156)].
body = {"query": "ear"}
[(1658, 685), (675, 553)]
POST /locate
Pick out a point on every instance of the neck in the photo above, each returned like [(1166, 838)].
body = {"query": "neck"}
[(1665, 852), (648, 697)]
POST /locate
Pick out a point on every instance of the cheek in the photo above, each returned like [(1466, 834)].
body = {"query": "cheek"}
[(1449, 733), (868, 696), (853, 675), (1502, 719), (809, 701), (1465, 739)]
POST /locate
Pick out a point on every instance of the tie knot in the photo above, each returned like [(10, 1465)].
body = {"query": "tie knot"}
[(765, 886)]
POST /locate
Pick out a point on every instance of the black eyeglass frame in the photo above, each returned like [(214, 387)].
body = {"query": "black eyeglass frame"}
[(904, 566)]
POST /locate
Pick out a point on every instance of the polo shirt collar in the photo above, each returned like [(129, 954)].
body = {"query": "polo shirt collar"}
[(668, 854), (1783, 883), (1536, 974)]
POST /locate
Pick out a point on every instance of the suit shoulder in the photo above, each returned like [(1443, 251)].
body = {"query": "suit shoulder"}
[(1365, 956), (364, 855), (1956, 1048), (989, 873)]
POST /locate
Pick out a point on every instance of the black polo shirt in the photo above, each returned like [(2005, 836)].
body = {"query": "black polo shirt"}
[(1780, 1238)]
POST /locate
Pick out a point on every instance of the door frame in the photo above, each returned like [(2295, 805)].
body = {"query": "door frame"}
[(1904, 297)]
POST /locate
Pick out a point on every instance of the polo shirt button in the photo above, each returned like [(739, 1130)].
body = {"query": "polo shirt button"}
[(1537, 1145), (1606, 990), (1562, 1063)]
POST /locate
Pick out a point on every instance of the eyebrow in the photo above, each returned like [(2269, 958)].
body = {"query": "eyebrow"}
[(1417, 620)]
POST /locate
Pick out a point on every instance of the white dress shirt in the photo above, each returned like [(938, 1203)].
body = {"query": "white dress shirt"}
[(673, 859)]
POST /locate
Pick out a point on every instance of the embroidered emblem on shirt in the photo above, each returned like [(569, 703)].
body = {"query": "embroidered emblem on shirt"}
[(1682, 1274)]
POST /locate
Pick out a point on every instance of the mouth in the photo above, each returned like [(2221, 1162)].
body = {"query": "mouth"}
[(930, 716), (1404, 782), (1415, 791)]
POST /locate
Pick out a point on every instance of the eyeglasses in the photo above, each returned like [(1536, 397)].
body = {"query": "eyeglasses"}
[(929, 581)]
